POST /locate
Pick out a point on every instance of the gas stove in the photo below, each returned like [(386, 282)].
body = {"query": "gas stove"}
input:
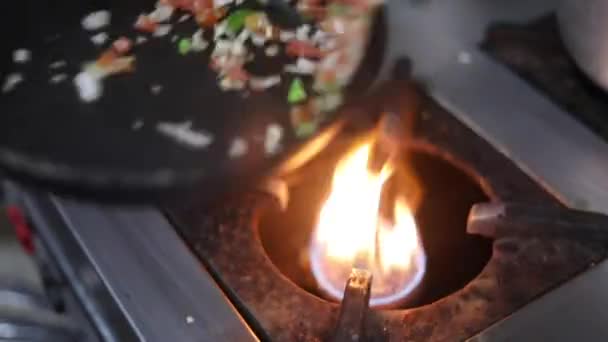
[(501, 121)]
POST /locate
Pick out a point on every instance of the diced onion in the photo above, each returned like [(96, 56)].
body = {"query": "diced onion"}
[(96, 20)]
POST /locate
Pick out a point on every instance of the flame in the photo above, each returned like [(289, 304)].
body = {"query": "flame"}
[(351, 232)]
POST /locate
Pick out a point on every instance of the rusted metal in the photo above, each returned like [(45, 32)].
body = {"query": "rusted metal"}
[(354, 307), (503, 220)]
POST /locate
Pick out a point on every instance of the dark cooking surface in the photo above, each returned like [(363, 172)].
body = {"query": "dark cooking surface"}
[(47, 133), (536, 53)]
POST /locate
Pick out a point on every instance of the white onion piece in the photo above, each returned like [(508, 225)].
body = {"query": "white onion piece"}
[(263, 83), (162, 30), (58, 64), (184, 18), (184, 133), (56, 79), (11, 81), (100, 38), (286, 36), (238, 148), (89, 86), (302, 32), (96, 20), (258, 40), (272, 141), (22, 56), (221, 3), (140, 40), (198, 43), (162, 13), (272, 50)]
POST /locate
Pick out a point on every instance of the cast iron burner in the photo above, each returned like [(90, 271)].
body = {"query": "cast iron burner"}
[(519, 270), (453, 257)]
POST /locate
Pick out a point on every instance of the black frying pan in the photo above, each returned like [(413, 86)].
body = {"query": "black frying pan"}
[(48, 135)]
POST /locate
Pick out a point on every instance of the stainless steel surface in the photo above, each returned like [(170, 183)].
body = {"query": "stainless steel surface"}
[(441, 38), (574, 312), (162, 291), (584, 30)]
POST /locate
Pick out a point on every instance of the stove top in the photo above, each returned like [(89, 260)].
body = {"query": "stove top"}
[(536, 53), (194, 272), (232, 241)]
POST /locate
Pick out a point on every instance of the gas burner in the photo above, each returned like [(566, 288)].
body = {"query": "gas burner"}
[(261, 256)]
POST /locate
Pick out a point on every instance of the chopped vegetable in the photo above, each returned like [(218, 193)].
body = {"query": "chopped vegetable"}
[(22, 56), (272, 50), (137, 125), (55, 79), (11, 81), (303, 66), (328, 49), (221, 3), (162, 30), (238, 148), (89, 85), (236, 20), (329, 102), (258, 39), (162, 13), (184, 46), (286, 36), (184, 18), (140, 40), (263, 83), (184, 133), (58, 64), (100, 38), (198, 42), (297, 93), (302, 32), (156, 89), (96, 20), (272, 141)]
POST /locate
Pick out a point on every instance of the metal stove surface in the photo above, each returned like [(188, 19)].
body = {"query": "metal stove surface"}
[(520, 269), (139, 281)]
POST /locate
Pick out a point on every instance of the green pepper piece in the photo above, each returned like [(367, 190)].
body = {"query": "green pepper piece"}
[(184, 46), (236, 20), (297, 93)]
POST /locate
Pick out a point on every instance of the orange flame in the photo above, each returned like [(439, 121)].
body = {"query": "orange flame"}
[(350, 232)]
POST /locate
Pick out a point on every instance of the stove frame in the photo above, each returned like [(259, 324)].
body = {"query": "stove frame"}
[(135, 276)]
